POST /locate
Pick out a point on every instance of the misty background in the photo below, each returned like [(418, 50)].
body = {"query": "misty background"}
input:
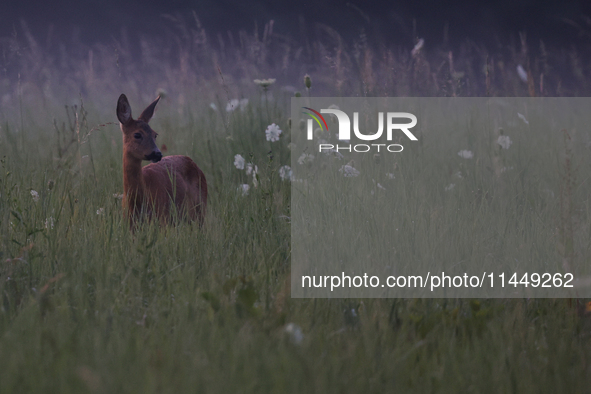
[(92, 21), (58, 52)]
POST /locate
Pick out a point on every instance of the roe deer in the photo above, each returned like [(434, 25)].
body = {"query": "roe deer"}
[(153, 189)]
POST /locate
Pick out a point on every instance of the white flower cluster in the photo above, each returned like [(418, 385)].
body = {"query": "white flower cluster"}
[(305, 158), (244, 189), (239, 162), (504, 141), (49, 223), (294, 333), (250, 169), (466, 154), (235, 103), (349, 171), (285, 173), (265, 83), (273, 132)]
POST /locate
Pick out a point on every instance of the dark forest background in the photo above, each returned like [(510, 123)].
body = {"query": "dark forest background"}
[(90, 21), (61, 51)]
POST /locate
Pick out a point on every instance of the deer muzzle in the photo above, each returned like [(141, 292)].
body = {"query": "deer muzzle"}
[(155, 156)]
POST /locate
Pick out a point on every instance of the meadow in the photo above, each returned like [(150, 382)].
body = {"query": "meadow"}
[(88, 306)]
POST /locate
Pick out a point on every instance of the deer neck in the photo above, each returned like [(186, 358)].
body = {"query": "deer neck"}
[(133, 182)]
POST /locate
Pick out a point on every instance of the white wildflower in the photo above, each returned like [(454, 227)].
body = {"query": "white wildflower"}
[(390, 175), (458, 174), (285, 173), (265, 83), (504, 141), (521, 72), (100, 211), (305, 158), (118, 196), (49, 222), (295, 333), (417, 48), (381, 187), (244, 189), (450, 187), (348, 171), (522, 118), (213, 106), (239, 162), (466, 154), (273, 131), (235, 103), (251, 169), (35, 195), (232, 105)]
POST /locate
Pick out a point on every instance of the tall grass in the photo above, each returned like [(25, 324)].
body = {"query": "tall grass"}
[(88, 306)]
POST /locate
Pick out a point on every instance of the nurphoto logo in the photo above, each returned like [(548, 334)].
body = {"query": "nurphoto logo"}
[(344, 130)]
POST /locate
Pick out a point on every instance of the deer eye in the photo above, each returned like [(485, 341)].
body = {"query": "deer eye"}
[(137, 136)]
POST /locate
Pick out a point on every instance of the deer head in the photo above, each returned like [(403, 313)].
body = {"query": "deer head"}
[(138, 137)]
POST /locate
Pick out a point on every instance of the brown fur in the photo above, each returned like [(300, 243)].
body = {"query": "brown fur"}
[(173, 183)]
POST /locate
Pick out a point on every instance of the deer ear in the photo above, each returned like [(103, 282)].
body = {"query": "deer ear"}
[(123, 110), (149, 111)]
